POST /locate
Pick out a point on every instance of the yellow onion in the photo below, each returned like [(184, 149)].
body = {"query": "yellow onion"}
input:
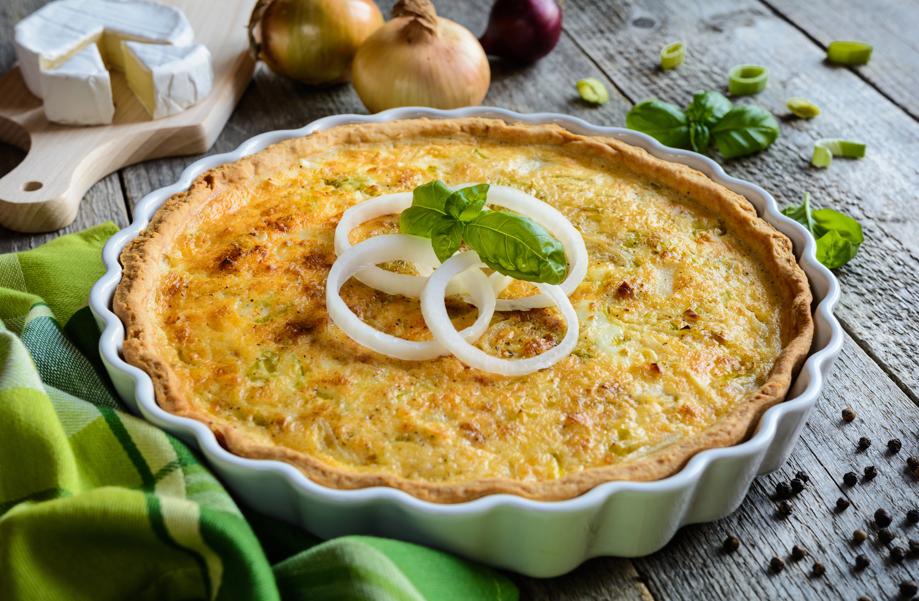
[(420, 59), (313, 41)]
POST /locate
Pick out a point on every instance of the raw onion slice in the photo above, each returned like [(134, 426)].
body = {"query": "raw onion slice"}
[(557, 225), (394, 247), (438, 322)]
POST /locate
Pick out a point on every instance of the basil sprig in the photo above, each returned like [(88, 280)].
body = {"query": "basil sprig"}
[(737, 131), (838, 236), (508, 243)]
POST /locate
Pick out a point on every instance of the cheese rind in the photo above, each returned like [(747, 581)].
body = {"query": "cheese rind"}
[(79, 92), (53, 34), (167, 79)]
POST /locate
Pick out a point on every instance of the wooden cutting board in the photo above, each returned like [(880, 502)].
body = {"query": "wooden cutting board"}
[(43, 192)]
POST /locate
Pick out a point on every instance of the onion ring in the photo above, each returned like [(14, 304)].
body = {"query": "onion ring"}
[(438, 322), (393, 247)]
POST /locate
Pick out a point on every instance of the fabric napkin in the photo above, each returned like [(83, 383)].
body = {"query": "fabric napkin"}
[(97, 504)]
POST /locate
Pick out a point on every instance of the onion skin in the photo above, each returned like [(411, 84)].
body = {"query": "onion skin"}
[(313, 41), (420, 60), (522, 31)]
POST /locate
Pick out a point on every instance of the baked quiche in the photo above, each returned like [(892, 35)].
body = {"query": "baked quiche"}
[(693, 317)]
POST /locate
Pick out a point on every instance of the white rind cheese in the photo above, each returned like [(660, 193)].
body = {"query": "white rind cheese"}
[(49, 37), (79, 92), (167, 79)]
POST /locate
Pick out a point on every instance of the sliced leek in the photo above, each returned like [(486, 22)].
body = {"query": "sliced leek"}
[(673, 55), (849, 53), (802, 107), (592, 90), (747, 79), (826, 149)]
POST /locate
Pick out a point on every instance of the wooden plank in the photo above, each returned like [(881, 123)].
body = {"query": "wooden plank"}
[(273, 103), (888, 25), (879, 303), (693, 566), (103, 202), (599, 578)]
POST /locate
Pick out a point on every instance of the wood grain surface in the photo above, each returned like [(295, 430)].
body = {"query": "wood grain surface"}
[(878, 372), (34, 198)]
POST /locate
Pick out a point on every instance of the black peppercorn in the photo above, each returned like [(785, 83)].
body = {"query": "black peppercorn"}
[(897, 554), (731, 544), (842, 504), (908, 588), (819, 569), (785, 507), (912, 462), (859, 536), (894, 445), (883, 518), (862, 562), (885, 535), (803, 477), (848, 414), (913, 516), (864, 443), (796, 486), (783, 490), (913, 546), (798, 552), (850, 479), (871, 472), (777, 564)]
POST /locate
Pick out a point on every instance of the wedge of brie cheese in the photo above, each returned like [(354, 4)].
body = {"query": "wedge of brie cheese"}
[(51, 36), (167, 79), (79, 92)]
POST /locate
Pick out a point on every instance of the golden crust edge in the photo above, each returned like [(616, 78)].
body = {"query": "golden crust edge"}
[(141, 258)]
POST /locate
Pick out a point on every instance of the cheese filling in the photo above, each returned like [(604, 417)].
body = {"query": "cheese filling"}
[(678, 321)]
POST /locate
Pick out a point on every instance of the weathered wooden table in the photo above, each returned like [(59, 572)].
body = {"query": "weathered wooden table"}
[(878, 372)]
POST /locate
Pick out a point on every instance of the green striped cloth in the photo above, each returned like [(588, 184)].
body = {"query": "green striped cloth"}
[(96, 504)]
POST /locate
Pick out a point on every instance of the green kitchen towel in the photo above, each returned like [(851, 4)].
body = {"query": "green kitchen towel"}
[(97, 504)]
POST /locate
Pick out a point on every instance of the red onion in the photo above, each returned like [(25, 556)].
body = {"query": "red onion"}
[(522, 30)]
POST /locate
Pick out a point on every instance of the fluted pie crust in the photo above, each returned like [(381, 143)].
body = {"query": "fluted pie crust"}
[(143, 261)]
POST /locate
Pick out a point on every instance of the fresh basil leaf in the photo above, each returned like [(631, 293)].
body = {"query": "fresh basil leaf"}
[(420, 221), (474, 193), (838, 236), (833, 250), (699, 136), (428, 208), (455, 205), (432, 195), (745, 130), (516, 246), (708, 108), (802, 214), (664, 122), (446, 239), (472, 210)]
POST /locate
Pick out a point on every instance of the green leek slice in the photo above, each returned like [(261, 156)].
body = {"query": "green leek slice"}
[(673, 55), (849, 53), (747, 79), (592, 90), (802, 107), (826, 149)]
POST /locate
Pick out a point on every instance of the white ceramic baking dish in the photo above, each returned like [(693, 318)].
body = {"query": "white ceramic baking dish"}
[(542, 539)]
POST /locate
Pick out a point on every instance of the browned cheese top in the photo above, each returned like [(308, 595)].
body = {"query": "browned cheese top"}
[(678, 321)]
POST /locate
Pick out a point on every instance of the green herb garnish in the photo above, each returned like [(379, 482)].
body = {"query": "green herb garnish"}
[(508, 243), (838, 236), (737, 131)]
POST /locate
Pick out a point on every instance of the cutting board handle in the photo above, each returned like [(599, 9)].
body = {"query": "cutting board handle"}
[(44, 191)]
